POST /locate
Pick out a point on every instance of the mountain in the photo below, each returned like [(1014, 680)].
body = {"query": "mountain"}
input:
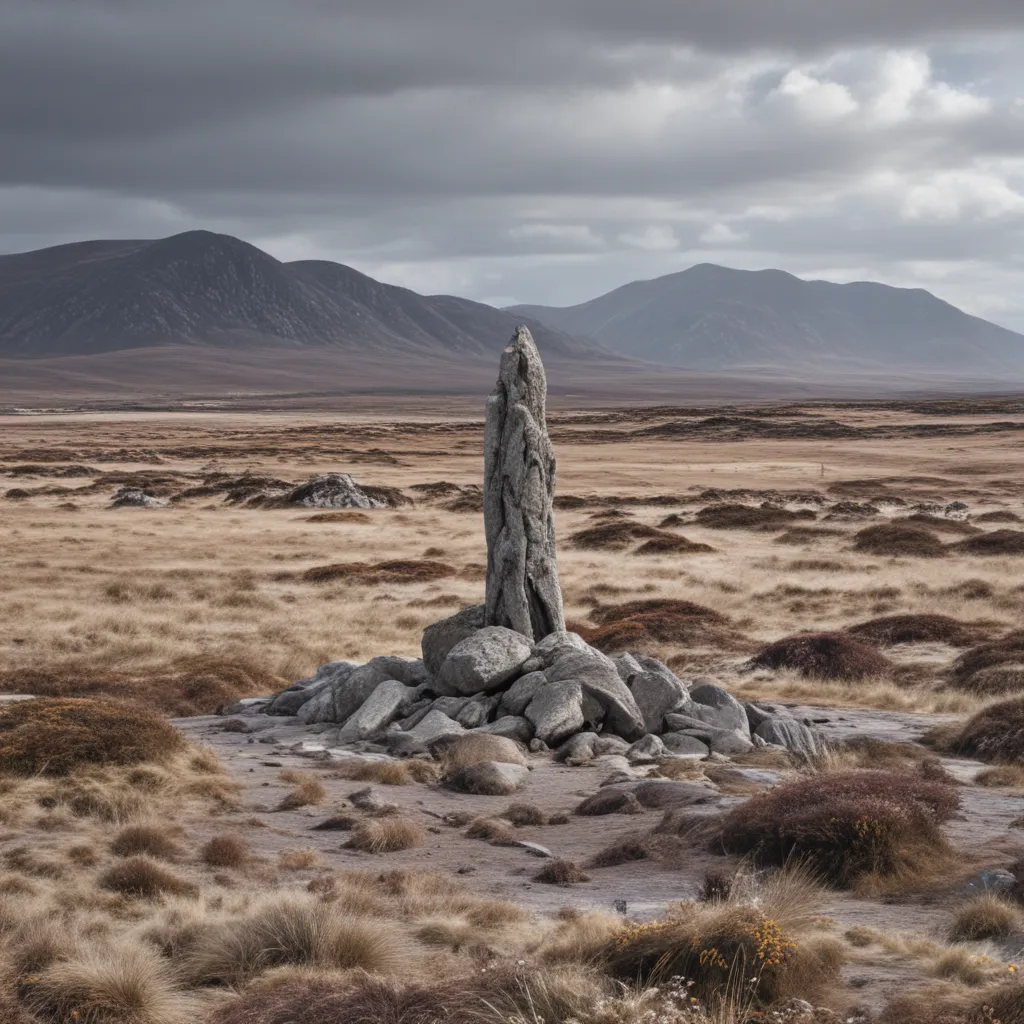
[(201, 288), (714, 318)]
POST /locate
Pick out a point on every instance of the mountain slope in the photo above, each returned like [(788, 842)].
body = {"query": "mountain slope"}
[(714, 318), (203, 288)]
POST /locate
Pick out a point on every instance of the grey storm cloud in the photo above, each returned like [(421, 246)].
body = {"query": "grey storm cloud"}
[(541, 150)]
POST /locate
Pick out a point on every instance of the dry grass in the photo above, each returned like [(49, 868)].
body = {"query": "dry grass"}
[(561, 872), (299, 860), (387, 835), (493, 830), (53, 736), (143, 878), (308, 790), (986, 917), (525, 814), (226, 851), (468, 750), (387, 773), (891, 630), (407, 571), (160, 841)]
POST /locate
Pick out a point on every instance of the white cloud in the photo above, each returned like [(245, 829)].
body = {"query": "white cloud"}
[(722, 234), (814, 98), (654, 238)]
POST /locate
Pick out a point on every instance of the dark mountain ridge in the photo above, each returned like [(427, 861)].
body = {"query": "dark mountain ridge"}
[(714, 318), (202, 288)]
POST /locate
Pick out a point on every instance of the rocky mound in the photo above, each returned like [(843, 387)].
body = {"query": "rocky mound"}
[(133, 497), (896, 539), (823, 656), (495, 682)]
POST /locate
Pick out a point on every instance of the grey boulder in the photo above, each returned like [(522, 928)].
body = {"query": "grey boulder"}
[(789, 733), (646, 751), (556, 711), (599, 679), (578, 749), (440, 637), (679, 744), (348, 692), (717, 707), (476, 711), (378, 711), (513, 727), (518, 696), (482, 661), (656, 695), (434, 725)]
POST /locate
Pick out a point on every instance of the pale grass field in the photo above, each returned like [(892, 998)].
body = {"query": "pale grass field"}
[(134, 590), (92, 593)]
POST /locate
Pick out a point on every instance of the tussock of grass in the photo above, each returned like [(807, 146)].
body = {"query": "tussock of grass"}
[(111, 985), (387, 835), (621, 851), (992, 668), (493, 830), (524, 814), (142, 878), (368, 573), (477, 747), (308, 791), (158, 841), (387, 773), (561, 872), (52, 736), (226, 851), (986, 917), (853, 827), (299, 860), (294, 928)]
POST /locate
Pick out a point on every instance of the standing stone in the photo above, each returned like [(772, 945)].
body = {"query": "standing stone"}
[(519, 485)]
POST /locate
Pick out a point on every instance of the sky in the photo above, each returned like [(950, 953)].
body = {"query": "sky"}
[(538, 151)]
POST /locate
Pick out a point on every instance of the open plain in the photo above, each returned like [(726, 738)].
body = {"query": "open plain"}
[(888, 536)]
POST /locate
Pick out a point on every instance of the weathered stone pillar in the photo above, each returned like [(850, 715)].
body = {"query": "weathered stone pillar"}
[(519, 485)]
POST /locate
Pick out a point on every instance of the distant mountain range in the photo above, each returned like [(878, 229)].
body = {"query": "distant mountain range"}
[(713, 318), (201, 288)]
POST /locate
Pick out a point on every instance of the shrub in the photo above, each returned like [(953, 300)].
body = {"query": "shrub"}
[(561, 872), (992, 668), (895, 539), (55, 736), (998, 542), (492, 830), (823, 656), (636, 625), (142, 878), (768, 519), (152, 840), (226, 851), (847, 825), (986, 917), (194, 685), (994, 734), (918, 629), (408, 571), (387, 835)]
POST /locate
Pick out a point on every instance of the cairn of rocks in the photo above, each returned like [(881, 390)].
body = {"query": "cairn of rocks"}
[(509, 668)]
